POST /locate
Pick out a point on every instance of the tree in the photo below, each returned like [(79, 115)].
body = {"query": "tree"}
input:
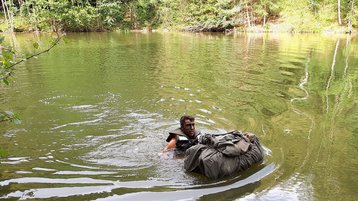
[(339, 12), (266, 9), (7, 6), (350, 16)]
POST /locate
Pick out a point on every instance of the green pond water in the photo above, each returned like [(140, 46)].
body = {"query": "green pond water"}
[(96, 112)]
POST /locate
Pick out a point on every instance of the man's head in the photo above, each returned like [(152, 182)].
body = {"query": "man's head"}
[(187, 125)]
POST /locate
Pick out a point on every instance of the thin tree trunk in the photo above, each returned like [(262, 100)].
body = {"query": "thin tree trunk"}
[(9, 17), (11, 14), (248, 16), (350, 18), (264, 20), (5, 13), (339, 11), (132, 15), (265, 15), (252, 18)]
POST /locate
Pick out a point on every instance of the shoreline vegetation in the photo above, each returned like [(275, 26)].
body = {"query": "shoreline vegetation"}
[(300, 16)]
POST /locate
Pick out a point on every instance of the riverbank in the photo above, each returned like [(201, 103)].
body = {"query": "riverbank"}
[(289, 28), (21, 25), (274, 28), (270, 28)]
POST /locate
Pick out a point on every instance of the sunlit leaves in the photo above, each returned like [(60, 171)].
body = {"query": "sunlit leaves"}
[(66, 40), (36, 45), (6, 63), (6, 56), (76, 15), (72, 15)]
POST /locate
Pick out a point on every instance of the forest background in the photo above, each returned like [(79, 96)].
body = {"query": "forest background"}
[(179, 15)]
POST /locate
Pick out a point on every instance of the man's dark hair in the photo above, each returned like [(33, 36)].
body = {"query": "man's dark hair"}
[(185, 117)]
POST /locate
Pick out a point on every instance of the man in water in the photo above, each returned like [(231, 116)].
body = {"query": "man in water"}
[(184, 137), (215, 155)]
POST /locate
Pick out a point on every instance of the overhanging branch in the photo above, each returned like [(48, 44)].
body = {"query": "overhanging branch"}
[(37, 54)]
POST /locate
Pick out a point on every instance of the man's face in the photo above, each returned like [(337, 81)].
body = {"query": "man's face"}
[(189, 127)]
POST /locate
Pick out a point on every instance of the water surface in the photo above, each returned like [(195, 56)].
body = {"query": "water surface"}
[(96, 112)]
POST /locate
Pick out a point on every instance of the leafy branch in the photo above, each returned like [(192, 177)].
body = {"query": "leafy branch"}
[(54, 43), (7, 64)]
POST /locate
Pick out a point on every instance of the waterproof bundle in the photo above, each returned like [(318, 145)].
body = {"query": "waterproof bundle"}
[(220, 155)]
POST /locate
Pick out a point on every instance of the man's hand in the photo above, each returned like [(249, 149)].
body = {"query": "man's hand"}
[(251, 136)]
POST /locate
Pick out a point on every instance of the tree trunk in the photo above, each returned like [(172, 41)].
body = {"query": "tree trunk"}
[(248, 16), (350, 17), (339, 11), (9, 17), (252, 18), (11, 14), (265, 15), (264, 21), (5, 13), (132, 15)]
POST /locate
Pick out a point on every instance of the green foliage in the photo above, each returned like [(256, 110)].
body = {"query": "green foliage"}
[(299, 18), (72, 15), (318, 14), (325, 14), (80, 19), (353, 16), (211, 15), (195, 15), (171, 13), (146, 12), (110, 13), (43, 14), (6, 57), (266, 9)]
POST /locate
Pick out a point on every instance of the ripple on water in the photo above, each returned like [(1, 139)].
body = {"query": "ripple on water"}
[(120, 153), (295, 188), (16, 160), (129, 147)]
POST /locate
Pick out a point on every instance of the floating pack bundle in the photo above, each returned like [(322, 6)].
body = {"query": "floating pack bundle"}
[(220, 155)]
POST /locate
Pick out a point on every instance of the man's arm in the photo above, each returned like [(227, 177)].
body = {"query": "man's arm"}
[(172, 144)]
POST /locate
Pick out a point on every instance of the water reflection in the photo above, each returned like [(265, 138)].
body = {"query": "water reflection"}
[(294, 188)]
